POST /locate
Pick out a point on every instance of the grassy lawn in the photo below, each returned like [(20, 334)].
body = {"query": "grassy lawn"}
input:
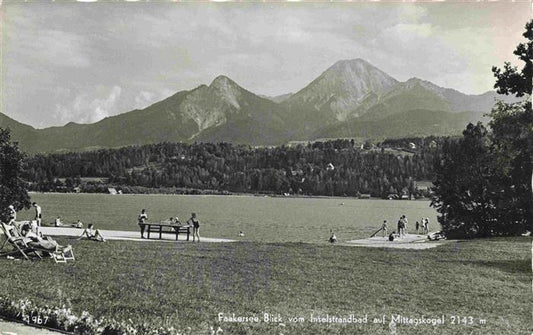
[(187, 284)]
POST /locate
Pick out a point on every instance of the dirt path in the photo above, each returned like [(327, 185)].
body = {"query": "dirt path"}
[(410, 241), (125, 235)]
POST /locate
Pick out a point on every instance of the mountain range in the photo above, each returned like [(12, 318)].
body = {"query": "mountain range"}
[(352, 98)]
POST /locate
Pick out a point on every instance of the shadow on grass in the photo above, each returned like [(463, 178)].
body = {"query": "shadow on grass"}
[(510, 266)]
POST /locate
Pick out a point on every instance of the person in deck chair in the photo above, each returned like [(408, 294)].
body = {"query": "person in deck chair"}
[(38, 242)]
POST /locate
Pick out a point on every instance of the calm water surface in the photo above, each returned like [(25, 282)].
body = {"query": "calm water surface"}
[(264, 219)]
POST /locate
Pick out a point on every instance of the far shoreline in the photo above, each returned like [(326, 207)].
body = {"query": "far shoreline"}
[(257, 195)]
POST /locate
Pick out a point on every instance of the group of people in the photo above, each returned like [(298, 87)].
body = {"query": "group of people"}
[(34, 224), (193, 221), (31, 229), (34, 240), (90, 232), (59, 223), (29, 232), (422, 227)]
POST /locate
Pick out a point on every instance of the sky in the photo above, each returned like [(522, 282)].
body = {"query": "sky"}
[(82, 62)]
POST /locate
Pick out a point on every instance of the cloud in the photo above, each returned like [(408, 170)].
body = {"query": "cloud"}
[(49, 48), (408, 31), (102, 108), (144, 99), (411, 13), (83, 62), (86, 109)]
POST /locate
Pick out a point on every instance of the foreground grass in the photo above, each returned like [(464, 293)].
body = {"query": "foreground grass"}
[(187, 285)]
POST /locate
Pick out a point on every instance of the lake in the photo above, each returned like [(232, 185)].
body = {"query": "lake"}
[(264, 219)]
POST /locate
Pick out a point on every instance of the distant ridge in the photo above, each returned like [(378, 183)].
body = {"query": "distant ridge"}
[(411, 123), (278, 98), (352, 98)]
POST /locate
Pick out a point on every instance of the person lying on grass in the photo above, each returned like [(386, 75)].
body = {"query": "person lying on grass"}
[(78, 224), (92, 234), (436, 236)]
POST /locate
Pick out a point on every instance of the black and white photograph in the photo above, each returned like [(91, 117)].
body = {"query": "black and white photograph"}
[(266, 167)]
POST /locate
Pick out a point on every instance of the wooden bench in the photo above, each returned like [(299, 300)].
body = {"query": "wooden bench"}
[(166, 228)]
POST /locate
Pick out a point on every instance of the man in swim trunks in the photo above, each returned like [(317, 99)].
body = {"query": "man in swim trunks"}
[(196, 227), (38, 214)]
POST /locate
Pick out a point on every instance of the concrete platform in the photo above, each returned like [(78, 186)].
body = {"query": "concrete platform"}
[(409, 241), (126, 235)]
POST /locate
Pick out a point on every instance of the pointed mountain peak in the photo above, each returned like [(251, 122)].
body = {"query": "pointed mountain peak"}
[(411, 82), (357, 65), (343, 87), (222, 81), (221, 89), (414, 80), (356, 61), (356, 70)]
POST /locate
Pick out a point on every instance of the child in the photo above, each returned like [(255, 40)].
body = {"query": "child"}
[(384, 228)]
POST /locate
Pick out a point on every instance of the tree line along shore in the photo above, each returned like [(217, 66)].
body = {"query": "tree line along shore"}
[(388, 169)]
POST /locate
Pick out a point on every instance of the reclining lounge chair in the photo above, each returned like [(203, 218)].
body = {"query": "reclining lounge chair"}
[(27, 248)]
